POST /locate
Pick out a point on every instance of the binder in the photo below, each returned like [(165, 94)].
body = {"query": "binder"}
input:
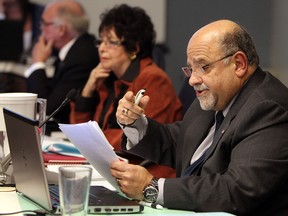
[(53, 158)]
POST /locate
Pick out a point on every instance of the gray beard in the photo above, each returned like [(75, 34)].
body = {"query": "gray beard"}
[(207, 102)]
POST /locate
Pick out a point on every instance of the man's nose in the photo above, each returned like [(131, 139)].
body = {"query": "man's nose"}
[(195, 79)]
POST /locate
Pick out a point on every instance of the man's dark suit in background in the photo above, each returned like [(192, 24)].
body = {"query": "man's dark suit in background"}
[(64, 30), (73, 72)]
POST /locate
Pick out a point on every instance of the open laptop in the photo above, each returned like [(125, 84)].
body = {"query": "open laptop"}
[(11, 40), (30, 176)]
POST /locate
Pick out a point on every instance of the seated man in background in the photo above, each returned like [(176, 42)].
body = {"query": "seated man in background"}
[(64, 27), (127, 38), (238, 166)]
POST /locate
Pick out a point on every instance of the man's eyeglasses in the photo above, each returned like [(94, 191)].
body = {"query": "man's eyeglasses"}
[(45, 23), (200, 70), (109, 43)]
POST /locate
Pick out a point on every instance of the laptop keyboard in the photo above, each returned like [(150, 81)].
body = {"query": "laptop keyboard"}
[(54, 194), (93, 199), (102, 200)]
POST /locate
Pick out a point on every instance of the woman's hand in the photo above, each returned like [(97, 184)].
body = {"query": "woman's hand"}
[(96, 79)]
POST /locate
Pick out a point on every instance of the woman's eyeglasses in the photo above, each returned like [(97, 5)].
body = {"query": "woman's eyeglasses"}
[(109, 43)]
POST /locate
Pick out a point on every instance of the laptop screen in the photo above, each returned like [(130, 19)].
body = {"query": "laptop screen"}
[(26, 154)]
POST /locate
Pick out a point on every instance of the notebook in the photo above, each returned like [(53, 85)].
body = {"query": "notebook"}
[(11, 40), (30, 176)]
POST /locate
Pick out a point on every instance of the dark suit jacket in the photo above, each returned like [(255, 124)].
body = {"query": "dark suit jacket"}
[(246, 171), (73, 72)]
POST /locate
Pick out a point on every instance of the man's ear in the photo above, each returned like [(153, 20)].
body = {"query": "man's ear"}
[(241, 64), (63, 29)]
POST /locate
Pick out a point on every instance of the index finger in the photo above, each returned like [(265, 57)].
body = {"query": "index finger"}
[(129, 96), (118, 166)]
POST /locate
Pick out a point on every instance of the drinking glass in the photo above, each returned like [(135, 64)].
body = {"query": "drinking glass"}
[(74, 184)]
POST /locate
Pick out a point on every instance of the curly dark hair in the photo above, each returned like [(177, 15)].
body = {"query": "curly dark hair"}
[(133, 25)]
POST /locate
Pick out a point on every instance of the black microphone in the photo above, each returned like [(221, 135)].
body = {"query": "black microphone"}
[(70, 96)]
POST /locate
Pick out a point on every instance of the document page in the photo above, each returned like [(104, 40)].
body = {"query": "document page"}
[(93, 145)]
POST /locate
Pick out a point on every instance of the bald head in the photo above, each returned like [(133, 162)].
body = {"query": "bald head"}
[(71, 12), (75, 7), (216, 29), (225, 37)]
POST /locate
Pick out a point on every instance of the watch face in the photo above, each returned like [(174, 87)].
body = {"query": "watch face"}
[(150, 194)]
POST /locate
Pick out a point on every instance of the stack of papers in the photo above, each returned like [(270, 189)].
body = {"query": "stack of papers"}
[(93, 145), (58, 152)]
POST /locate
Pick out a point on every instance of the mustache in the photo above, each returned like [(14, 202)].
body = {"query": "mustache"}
[(201, 87)]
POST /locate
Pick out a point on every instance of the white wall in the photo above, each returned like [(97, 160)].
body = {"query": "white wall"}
[(155, 9)]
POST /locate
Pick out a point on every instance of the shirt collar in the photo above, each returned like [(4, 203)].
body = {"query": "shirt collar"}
[(65, 49), (132, 71)]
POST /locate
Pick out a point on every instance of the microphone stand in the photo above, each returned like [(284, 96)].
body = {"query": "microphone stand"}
[(70, 96)]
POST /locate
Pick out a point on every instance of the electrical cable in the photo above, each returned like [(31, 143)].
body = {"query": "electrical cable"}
[(37, 212)]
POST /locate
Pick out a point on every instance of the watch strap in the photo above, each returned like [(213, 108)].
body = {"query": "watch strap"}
[(154, 182), (151, 191)]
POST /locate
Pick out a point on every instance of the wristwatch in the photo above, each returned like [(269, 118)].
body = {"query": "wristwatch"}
[(150, 192)]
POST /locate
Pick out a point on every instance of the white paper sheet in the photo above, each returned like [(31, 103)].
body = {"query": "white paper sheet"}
[(93, 145)]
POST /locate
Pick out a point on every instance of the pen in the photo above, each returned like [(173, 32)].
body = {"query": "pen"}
[(151, 205), (139, 96)]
